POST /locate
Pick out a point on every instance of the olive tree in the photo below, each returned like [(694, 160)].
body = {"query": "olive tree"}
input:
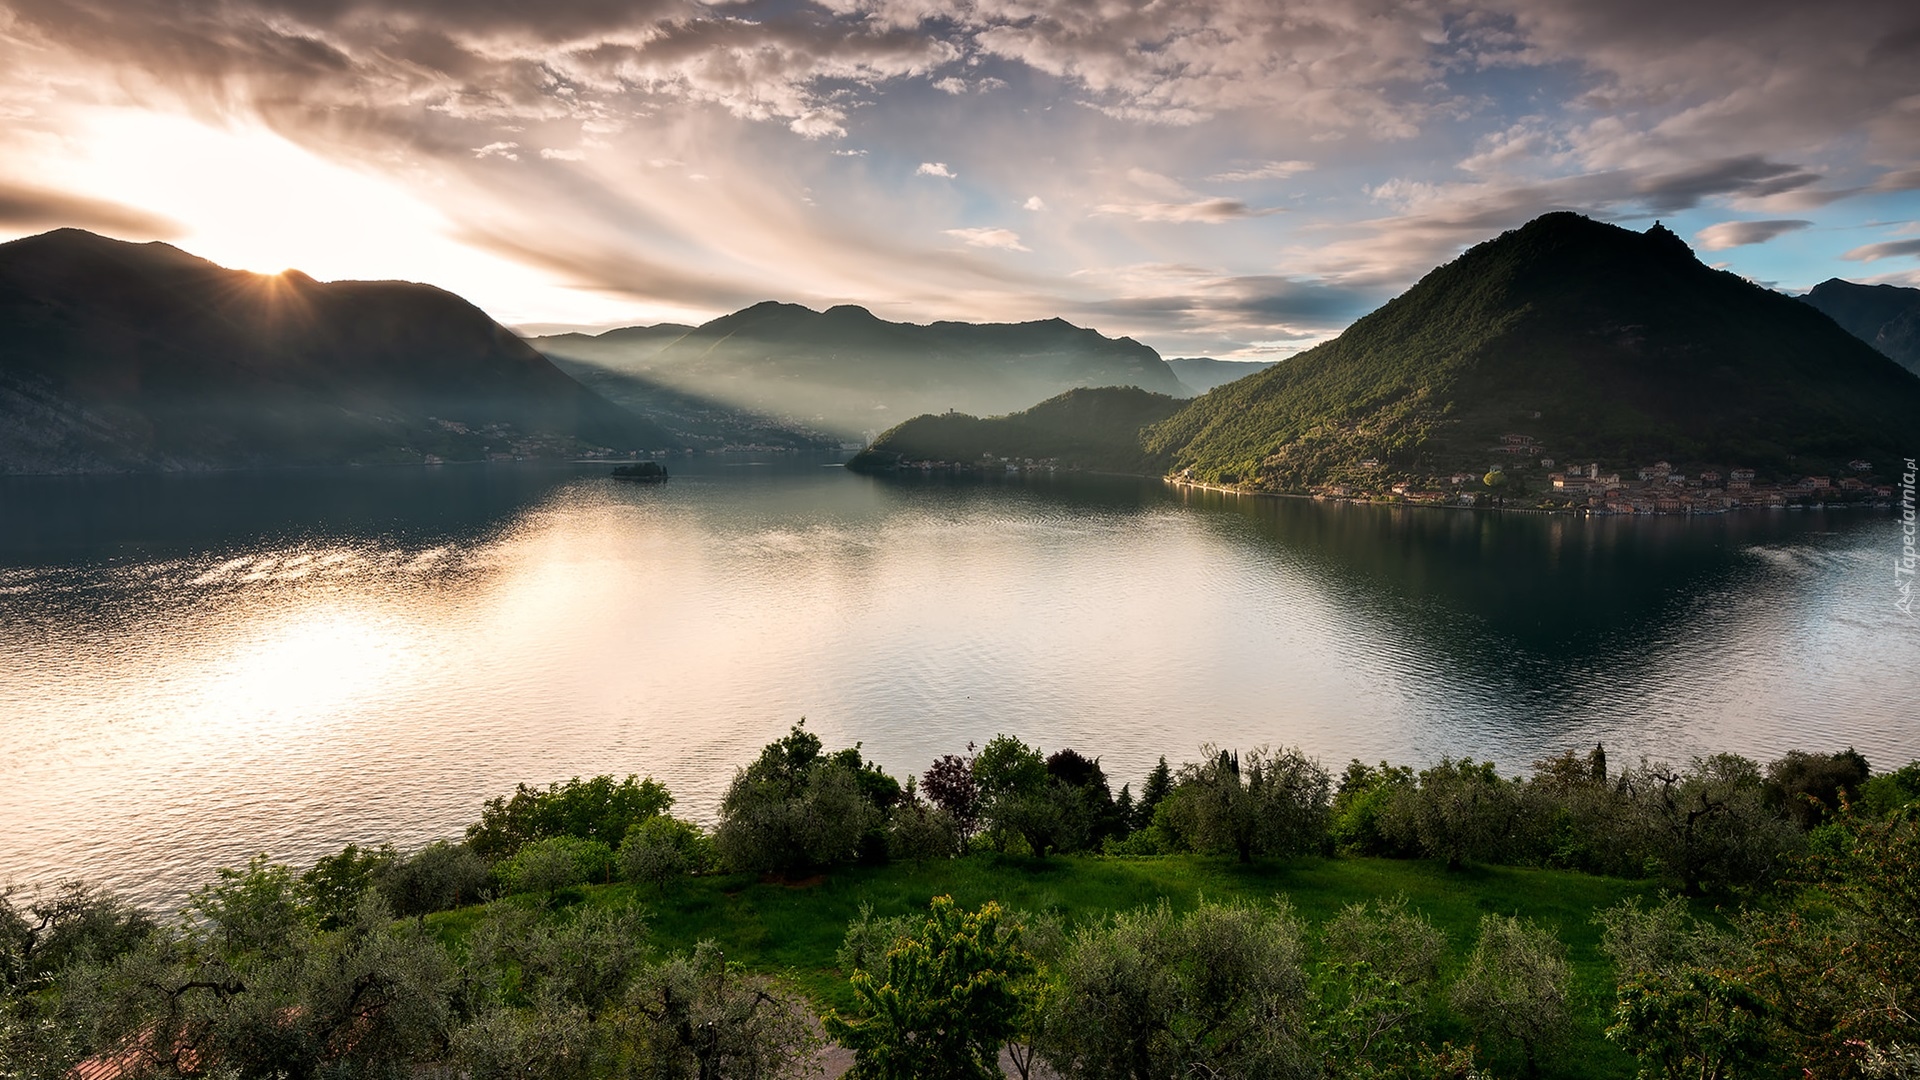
[(662, 848), (696, 1015), (795, 808), (1150, 994), (1514, 988), (1263, 804)]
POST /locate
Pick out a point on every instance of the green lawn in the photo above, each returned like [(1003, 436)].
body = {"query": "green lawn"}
[(793, 930)]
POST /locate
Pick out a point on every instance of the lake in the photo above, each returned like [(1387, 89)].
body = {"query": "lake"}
[(195, 668)]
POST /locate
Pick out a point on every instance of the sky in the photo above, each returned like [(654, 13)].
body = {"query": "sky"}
[(1229, 178)]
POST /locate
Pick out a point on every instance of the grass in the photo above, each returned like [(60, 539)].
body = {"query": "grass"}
[(792, 930)]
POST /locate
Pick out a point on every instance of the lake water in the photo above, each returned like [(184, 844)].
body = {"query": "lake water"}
[(195, 668)]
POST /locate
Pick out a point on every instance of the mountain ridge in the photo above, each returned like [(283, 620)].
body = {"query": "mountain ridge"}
[(144, 356)]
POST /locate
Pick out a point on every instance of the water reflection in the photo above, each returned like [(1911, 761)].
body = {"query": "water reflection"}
[(195, 668)]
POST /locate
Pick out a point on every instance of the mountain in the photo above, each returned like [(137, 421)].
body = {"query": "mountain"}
[(1201, 374), (846, 371), (616, 365), (1577, 340), (1095, 428), (1886, 317), (125, 356)]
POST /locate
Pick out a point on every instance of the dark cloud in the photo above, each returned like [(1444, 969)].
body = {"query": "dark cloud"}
[(24, 207), (1732, 234), (1750, 175)]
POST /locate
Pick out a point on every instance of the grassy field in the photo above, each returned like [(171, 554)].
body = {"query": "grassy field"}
[(792, 930)]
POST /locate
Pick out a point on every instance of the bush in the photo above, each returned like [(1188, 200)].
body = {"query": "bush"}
[(697, 1015), (598, 809), (662, 848), (919, 831), (1217, 992), (793, 810), (953, 991), (556, 863), (435, 878), (1459, 811), (1514, 988), (1272, 804)]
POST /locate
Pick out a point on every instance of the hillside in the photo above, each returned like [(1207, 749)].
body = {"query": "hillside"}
[(1886, 317), (1200, 374), (1587, 341), (1090, 428), (617, 366), (127, 356), (848, 372)]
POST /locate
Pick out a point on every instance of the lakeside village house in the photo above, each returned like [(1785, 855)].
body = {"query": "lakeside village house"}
[(1656, 488)]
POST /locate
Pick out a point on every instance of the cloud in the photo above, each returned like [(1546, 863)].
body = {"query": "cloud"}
[(1885, 250), (27, 207), (1034, 203), (936, 168), (1205, 211), (1732, 234), (951, 85), (1272, 170), (498, 149), (1005, 239), (551, 154)]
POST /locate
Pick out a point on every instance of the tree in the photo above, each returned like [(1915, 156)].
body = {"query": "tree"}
[(597, 809), (1382, 961), (1359, 819), (918, 830), (1514, 987), (953, 992), (555, 863), (795, 808), (662, 848), (435, 878), (1219, 991), (545, 1041), (1273, 804), (1158, 786), (1807, 787), (332, 888), (1709, 825), (949, 785), (701, 1017), (1459, 811)]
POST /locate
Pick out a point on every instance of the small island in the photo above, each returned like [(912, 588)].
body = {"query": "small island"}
[(644, 472)]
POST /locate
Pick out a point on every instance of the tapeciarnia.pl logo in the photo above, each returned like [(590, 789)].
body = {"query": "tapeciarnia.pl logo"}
[(1903, 566)]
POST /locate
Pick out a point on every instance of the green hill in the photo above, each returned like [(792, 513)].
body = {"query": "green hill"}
[(1092, 428), (124, 356), (1596, 342), (848, 372), (1886, 317)]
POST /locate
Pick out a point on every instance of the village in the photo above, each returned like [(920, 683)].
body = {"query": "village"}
[(1512, 479)]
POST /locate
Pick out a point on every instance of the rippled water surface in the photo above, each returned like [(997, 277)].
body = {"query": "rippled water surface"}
[(196, 668)]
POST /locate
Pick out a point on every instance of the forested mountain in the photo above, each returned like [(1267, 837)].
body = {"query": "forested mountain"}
[(1886, 317), (141, 356), (1587, 340), (1091, 428), (848, 372)]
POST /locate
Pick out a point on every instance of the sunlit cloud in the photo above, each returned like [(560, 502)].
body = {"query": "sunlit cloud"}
[(1733, 234), (594, 162), (1006, 239)]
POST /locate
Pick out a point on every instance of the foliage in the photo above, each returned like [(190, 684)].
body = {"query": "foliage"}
[(916, 830), (1459, 811), (662, 848), (699, 1016), (949, 785), (1361, 806), (1709, 825), (1389, 937), (1158, 785), (599, 809), (1148, 994), (953, 990), (333, 886), (1270, 804), (555, 863), (1514, 987), (1693, 1025), (1809, 786), (74, 923), (435, 878), (794, 809)]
